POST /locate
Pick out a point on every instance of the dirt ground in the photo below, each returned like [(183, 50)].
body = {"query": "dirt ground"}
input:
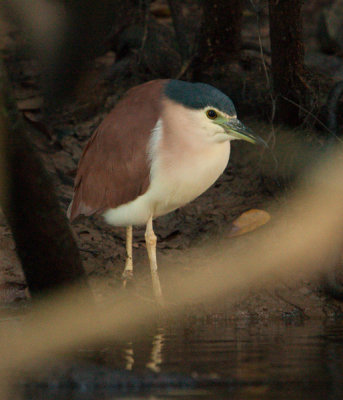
[(244, 185)]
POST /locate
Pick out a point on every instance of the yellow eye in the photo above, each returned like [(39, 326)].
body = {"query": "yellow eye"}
[(211, 114)]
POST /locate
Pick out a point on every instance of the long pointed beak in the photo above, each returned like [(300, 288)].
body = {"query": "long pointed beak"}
[(235, 128)]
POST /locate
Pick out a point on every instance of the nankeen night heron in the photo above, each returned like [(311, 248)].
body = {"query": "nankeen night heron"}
[(164, 143)]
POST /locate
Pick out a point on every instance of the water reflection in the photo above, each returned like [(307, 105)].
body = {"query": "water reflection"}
[(156, 353), (155, 359), (206, 361), (129, 357)]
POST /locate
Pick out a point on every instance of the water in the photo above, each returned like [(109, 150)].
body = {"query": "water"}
[(208, 361)]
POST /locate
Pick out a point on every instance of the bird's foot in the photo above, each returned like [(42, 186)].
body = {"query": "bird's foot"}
[(127, 276)]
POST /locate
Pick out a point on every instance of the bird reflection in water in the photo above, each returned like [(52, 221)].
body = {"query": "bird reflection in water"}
[(155, 359)]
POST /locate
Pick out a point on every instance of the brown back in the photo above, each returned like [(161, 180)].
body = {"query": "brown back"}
[(114, 167)]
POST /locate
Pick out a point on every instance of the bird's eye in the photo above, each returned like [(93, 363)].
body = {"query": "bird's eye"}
[(211, 114)]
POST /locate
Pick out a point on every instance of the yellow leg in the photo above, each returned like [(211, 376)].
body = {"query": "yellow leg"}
[(128, 271), (150, 240)]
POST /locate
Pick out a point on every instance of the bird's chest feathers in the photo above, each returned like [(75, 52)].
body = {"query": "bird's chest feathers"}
[(183, 171)]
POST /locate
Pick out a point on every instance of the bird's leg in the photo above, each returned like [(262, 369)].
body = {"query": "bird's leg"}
[(128, 271), (150, 240)]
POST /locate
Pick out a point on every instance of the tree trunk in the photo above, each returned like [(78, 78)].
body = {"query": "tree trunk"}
[(220, 35), (45, 245), (286, 38)]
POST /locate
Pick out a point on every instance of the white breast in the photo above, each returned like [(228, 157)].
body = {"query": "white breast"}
[(177, 177), (176, 184)]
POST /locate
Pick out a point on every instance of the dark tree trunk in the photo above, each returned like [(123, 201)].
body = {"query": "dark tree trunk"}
[(45, 245), (286, 37), (220, 35)]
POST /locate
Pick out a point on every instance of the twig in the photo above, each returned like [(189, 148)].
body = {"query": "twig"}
[(272, 137), (257, 9), (313, 116), (146, 5), (184, 67), (179, 29), (301, 310)]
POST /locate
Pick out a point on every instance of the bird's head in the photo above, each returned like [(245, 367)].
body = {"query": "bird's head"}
[(210, 111)]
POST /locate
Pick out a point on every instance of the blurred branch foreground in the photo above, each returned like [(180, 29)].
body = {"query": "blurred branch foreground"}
[(306, 237)]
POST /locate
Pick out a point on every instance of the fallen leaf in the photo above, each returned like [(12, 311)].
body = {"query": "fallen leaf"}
[(249, 221), (160, 10), (107, 59), (33, 116), (36, 119), (33, 103)]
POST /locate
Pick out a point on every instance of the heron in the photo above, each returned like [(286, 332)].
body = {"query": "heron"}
[(164, 143)]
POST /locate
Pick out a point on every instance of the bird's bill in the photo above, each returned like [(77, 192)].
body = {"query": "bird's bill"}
[(235, 128)]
